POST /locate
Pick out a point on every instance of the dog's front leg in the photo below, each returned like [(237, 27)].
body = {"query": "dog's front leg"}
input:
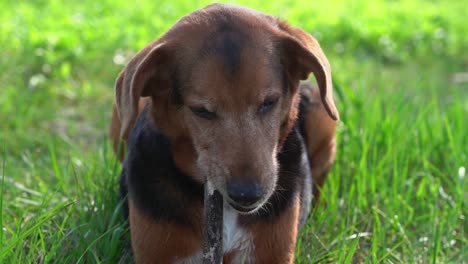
[(162, 242), (275, 240)]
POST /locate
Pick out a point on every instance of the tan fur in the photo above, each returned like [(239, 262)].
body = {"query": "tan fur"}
[(275, 242), (229, 257), (320, 138), (154, 242), (318, 64), (114, 133)]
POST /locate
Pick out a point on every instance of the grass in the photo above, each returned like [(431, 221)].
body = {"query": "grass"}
[(397, 193)]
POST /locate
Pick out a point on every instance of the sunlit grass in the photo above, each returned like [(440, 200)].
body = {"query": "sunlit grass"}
[(397, 193)]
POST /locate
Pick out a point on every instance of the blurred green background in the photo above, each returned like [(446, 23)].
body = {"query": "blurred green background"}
[(59, 55), (397, 193)]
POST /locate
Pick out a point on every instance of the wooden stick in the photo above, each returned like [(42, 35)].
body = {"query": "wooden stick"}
[(212, 226)]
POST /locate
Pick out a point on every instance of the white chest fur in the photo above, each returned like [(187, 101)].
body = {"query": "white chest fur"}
[(235, 239)]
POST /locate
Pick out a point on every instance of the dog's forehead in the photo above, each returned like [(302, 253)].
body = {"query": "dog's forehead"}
[(228, 54), (246, 76)]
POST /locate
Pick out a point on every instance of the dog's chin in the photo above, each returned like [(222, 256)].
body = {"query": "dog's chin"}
[(244, 209)]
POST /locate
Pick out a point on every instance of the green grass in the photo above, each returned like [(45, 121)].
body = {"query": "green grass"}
[(397, 193)]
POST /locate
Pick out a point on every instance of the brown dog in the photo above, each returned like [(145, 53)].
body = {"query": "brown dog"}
[(222, 103)]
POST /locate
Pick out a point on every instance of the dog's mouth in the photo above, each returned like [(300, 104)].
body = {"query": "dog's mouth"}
[(243, 209)]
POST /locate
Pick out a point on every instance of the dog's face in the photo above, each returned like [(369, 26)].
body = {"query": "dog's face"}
[(234, 115), (223, 85)]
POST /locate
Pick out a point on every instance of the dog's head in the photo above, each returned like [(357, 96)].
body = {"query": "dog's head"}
[(223, 83)]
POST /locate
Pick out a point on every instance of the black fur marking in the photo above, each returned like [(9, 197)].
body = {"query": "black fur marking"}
[(123, 191), (284, 82), (154, 182), (176, 89), (230, 50), (226, 44)]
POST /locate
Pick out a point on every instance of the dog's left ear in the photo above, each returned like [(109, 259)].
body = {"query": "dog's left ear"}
[(147, 74), (301, 56)]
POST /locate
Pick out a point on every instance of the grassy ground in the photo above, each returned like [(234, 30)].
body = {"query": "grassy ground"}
[(397, 193)]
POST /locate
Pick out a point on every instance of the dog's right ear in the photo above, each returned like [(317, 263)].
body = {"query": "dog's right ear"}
[(304, 55), (146, 73)]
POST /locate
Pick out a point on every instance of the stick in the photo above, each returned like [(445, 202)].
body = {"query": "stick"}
[(212, 226)]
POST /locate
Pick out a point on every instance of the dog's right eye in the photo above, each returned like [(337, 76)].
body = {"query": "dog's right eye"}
[(267, 105), (203, 113)]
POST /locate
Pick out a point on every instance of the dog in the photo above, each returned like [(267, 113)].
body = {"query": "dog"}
[(219, 98)]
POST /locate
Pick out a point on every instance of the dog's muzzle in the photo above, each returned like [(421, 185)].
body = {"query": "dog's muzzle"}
[(244, 196)]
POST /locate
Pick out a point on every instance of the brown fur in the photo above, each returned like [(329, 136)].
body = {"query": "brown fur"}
[(320, 138), (229, 258), (275, 242), (154, 242), (231, 75)]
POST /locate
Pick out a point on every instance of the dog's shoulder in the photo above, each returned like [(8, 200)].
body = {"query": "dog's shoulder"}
[(154, 182)]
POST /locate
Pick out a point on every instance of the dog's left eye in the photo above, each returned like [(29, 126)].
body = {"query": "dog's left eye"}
[(267, 105), (203, 113)]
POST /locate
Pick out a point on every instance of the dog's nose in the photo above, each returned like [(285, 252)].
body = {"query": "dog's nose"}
[(244, 193)]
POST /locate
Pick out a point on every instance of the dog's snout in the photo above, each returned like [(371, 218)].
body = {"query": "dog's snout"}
[(244, 193)]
